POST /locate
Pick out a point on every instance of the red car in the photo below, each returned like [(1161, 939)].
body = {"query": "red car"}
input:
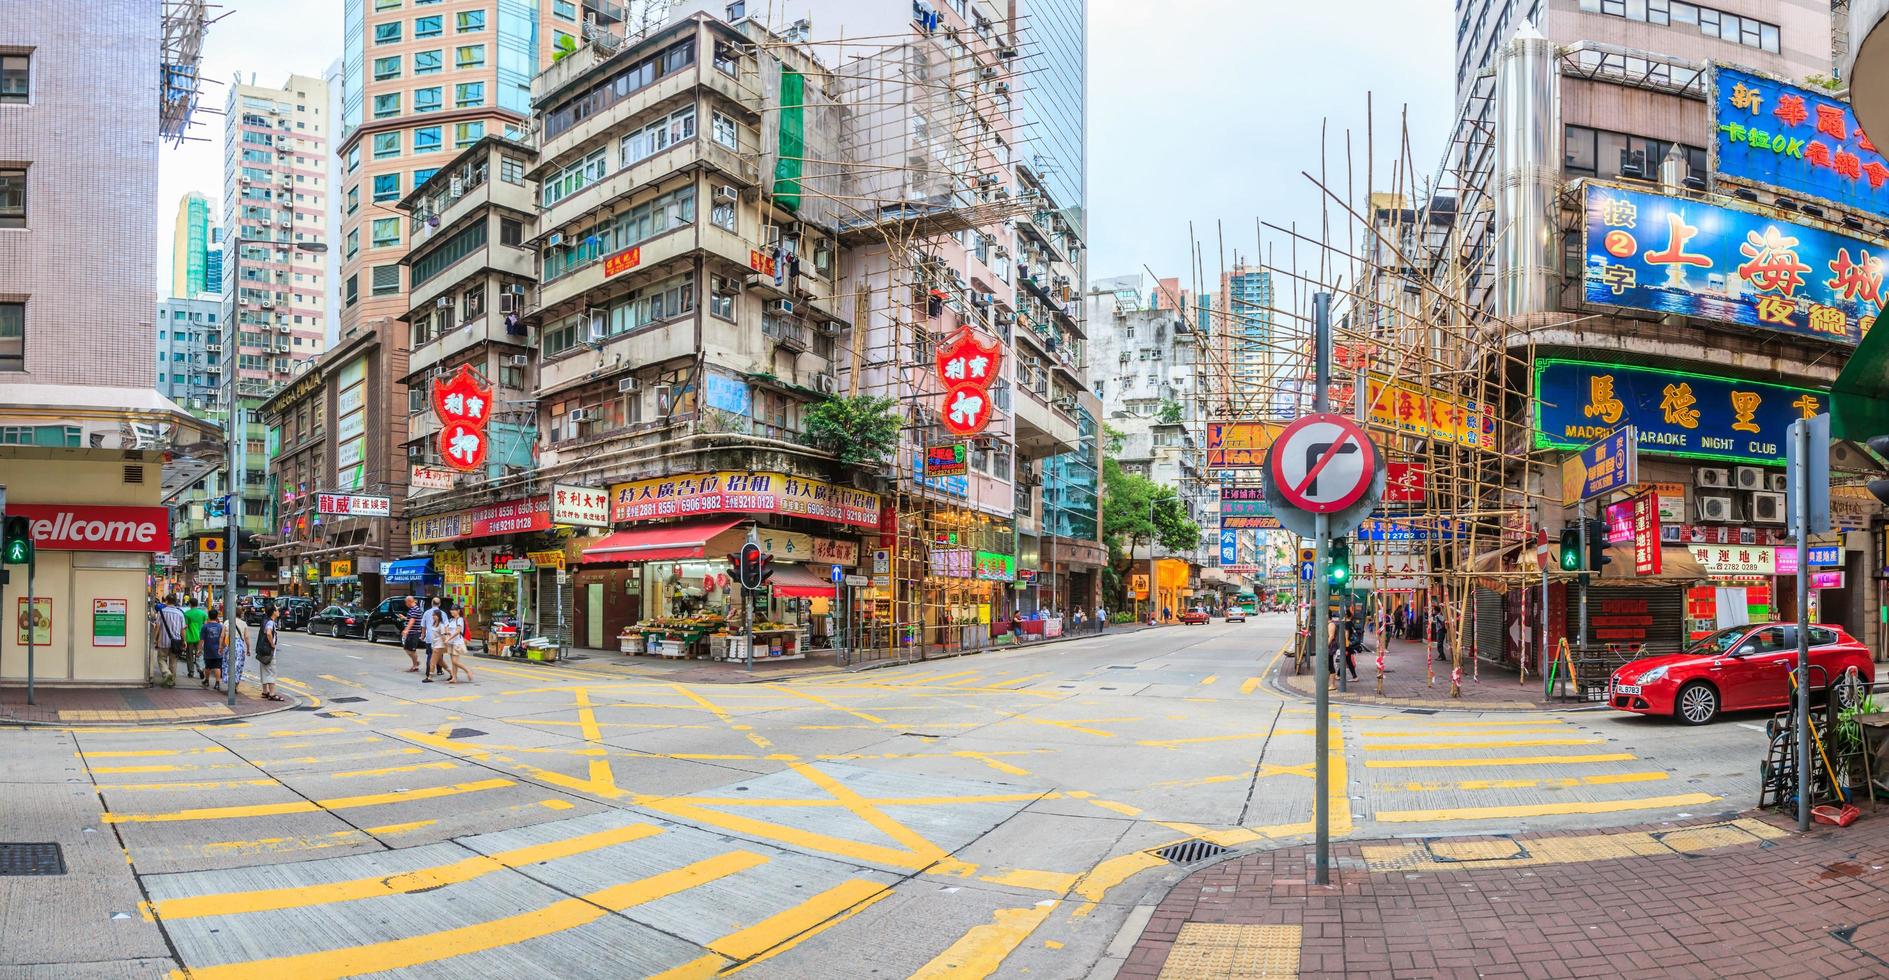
[(1737, 669), (1194, 617)]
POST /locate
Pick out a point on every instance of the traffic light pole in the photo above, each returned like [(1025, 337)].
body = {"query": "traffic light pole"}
[(1321, 629), (1580, 514), (1800, 473), (233, 517)]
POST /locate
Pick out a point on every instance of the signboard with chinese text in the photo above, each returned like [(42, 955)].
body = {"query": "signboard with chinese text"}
[(742, 492), (1428, 413), (832, 551), (1671, 255), (1599, 469), (350, 425), (108, 622), (1229, 547), (1800, 140), (1245, 507), (1675, 413), (1647, 552), (353, 505), (340, 569), (1239, 445), (1821, 555), (1735, 560), (1408, 529), (577, 506), (993, 566), (490, 520), (968, 364), (624, 261), (463, 404), (1404, 483), (429, 478), (949, 459), (1827, 580)]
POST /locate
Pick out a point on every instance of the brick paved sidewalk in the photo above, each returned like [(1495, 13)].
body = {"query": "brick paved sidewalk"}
[(134, 705), (1407, 684), (1726, 898)]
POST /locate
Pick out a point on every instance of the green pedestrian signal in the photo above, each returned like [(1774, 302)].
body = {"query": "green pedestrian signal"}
[(1571, 550), (1338, 563), (16, 548)]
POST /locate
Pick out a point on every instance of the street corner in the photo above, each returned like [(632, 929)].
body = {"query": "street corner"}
[(183, 705)]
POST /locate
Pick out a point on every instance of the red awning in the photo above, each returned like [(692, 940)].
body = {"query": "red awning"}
[(659, 542), (798, 582)]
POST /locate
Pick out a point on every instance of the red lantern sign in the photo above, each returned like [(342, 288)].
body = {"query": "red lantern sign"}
[(464, 406), (967, 366)]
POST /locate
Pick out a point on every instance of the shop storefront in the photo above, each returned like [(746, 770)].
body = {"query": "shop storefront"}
[(509, 559), (90, 584)]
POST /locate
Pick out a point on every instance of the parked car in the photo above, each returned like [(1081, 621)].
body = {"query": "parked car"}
[(1194, 617), (339, 621), (388, 620), (296, 611), (1737, 669)]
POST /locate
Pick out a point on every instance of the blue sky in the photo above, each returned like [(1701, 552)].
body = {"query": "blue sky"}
[(1199, 110)]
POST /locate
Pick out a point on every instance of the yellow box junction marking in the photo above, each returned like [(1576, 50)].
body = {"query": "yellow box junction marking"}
[(978, 952), (776, 929), (307, 806)]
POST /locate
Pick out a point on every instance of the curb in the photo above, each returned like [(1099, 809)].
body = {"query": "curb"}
[(294, 701), (1276, 681)]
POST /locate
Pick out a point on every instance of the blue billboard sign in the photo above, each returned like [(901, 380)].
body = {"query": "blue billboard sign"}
[(1229, 547), (1609, 465), (1407, 529), (1674, 413), (1799, 141), (1672, 255)]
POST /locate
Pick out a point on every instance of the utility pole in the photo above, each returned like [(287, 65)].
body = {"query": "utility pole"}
[(1800, 482), (1321, 629), (233, 511), (1580, 516)]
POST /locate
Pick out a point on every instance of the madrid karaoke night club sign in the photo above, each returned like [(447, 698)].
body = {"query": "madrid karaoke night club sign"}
[(1675, 413), (1671, 255)]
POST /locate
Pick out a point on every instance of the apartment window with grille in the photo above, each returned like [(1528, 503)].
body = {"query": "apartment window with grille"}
[(659, 136), (510, 232), (12, 336), (416, 395), (12, 198), (721, 297), (386, 280), (15, 77)]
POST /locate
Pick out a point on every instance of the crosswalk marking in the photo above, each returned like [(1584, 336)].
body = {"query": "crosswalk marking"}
[(1544, 809), (1522, 760)]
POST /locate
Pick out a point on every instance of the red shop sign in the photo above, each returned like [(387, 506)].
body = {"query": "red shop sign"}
[(73, 527), (491, 520)]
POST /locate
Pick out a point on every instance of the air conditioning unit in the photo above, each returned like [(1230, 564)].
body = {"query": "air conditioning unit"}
[(1748, 478), (726, 194), (1715, 477), (443, 302), (554, 239), (518, 360), (579, 416), (987, 72), (831, 326), (628, 386), (1778, 482), (1003, 88), (826, 383), (782, 307), (1716, 509), (1767, 508)]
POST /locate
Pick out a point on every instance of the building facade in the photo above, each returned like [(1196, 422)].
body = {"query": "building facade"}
[(190, 353), (192, 274)]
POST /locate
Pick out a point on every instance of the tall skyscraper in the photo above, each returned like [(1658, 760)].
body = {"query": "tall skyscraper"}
[(190, 248), (1244, 335)]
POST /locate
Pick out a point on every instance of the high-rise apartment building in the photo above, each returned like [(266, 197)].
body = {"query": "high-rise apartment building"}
[(191, 245), (190, 352), (1244, 339)]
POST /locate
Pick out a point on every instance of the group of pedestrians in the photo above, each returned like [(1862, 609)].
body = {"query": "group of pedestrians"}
[(438, 630), (211, 649), (1347, 641)]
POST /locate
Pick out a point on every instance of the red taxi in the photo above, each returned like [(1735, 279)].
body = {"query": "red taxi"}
[(1736, 669)]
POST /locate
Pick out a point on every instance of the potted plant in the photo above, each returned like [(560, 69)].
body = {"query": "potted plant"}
[(1849, 742)]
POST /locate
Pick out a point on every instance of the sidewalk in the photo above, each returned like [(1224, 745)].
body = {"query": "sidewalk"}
[(135, 705), (1709, 898), (1407, 682)]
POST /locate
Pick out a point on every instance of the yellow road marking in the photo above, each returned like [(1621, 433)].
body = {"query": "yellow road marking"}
[(1018, 682), (927, 680), (121, 770), (150, 753), (816, 699), (1560, 782), (780, 927), (304, 760), (1544, 809), (587, 716), (416, 767), (1071, 726), (1520, 760), (432, 947), (1481, 723), (301, 896), (726, 718), (700, 968), (1054, 882), (1519, 743), (979, 951), (1470, 855), (876, 801), (1169, 743), (307, 806), (231, 784), (330, 730), (1209, 680), (285, 844), (1247, 685), (1121, 808), (343, 683), (996, 764), (1106, 875), (869, 813)]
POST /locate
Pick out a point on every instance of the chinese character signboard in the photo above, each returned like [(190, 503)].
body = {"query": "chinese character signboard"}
[(1735, 560), (993, 566), (829, 551), (1428, 413), (947, 460), (1245, 507), (1601, 468), (689, 494), (490, 520), (429, 478), (967, 365), (575, 506), (1799, 140), (353, 505), (1821, 555), (464, 406), (1675, 413), (1404, 483), (1229, 547), (1239, 445), (622, 261), (1668, 255), (1646, 546)]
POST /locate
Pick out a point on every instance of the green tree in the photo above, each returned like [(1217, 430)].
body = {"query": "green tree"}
[(1137, 511), (1170, 413), (860, 430)]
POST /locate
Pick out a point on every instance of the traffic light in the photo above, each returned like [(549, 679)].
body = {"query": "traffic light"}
[(1338, 564), (764, 570), (747, 564), (1570, 549), (16, 548), (1598, 557)]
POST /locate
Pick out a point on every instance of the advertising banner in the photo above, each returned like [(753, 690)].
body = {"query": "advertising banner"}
[(1428, 413), (742, 493), (490, 520), (76, 527), (1800, 140), (1229, 547), (1671, 255), (1647, 558), (948, 459), (577, 506), (108, 622), (1239, 445), (1736, 560), (1675, 413), (353, 505), (430, 478), (1245, 507)]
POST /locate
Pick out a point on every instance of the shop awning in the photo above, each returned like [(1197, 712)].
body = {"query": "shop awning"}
[(659, 542), (407, 570), (799, 582)]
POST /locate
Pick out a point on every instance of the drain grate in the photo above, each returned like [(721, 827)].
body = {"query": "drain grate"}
[(1190, 851), (346, 700), (31, 859), (1419, 711), (464, 733), (305, 707)]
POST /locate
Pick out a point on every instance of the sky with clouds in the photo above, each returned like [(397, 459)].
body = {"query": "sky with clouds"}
[(1199, 110)]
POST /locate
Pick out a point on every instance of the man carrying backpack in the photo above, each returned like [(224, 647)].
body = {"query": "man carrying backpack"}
[(265, 653)]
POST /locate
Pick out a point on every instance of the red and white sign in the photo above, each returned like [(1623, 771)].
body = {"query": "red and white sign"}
[(71, 527), (430, 478), (1827, 580), (353, 505), (575, 506), (967, 366), (1323, 463), (491, 520), (1404, 483), (464, 406)]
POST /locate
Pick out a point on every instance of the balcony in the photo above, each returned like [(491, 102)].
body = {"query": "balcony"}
[(1043, 429), (785, 333), (557, 296), (607, 12)]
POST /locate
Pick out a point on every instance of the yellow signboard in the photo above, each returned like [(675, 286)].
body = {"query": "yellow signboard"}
[(1239, 445), (210, 545), (340, 569), (1138, 584), (1428, 413), (546, 559)]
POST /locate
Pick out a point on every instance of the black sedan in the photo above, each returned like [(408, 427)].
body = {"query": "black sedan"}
[(296, 611), (339, 621)]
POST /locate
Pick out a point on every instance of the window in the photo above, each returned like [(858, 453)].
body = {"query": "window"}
[(354, 199), (721, 297), (633, 227), (388, 33), (427, 26), (349, 292), (354, 159), (511, 170), (385, 68), (427, 99), (618, 87), (15, 76), (386, 232), (388, 145), (386, 188), (380, 5), (725, 132), (469, 56), (722, 216), (459, 246), (510, 232), (428, 62), (575, 177), (737, 10), (467, 133), (472, 304), (386, 105), (471, 20), (12, 336), (426, 139), (423, 175), (386, 280), (12, 198), (659, 135), (469, 94), (564, 8), (1734, 28), (353, 243)]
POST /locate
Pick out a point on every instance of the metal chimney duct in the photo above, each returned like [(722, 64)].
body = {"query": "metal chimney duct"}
[(1527, 174)]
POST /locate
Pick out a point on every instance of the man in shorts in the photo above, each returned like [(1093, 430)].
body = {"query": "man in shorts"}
[(265, 653), (413, 635), (194, 618), (170, 634)]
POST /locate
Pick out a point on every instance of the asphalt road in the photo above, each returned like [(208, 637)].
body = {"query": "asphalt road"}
[(987, 815)]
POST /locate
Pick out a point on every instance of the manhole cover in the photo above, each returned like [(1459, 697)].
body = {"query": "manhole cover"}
[(31, 859), (1190, 851), (464, 733), (346, 700)]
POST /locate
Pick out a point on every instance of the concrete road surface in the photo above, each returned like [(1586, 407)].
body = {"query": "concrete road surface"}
[(988, 815)]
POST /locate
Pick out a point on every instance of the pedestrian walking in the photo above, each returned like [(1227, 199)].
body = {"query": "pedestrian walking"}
[(1077, 622), (434, 619), (210, 641), (413, 635), (1439, 629), (194, 618), (456, 646), (266, 639), (1101, 619), (1354, 640), (170, 627)]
